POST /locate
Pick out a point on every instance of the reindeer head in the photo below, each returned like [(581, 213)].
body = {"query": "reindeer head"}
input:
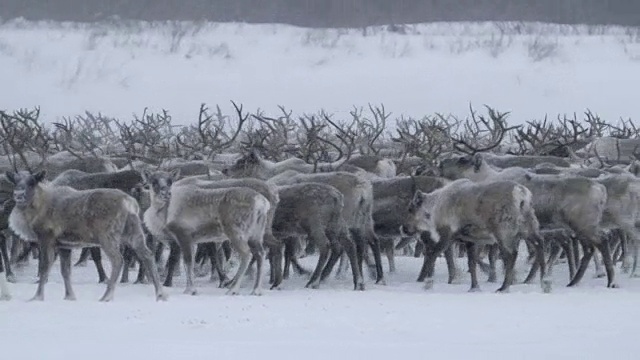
[(459, 167), (246, 166), (25, 186), (420, 217), (160, 183)]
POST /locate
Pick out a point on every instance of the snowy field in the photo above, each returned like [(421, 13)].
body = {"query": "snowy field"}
[(530, 69), (399, 320)]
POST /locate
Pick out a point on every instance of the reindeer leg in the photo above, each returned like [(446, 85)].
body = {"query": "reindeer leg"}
[(244, 252), (46, 258), (128, 260), (472, 254), (257, 251), (84, 256), (391, 256), (322, 244), (147, 262), (374, 243), (350, 249), (275, 257), (111, 247), (289, 254), (451, 264), (24, 255), (584, 263), (509, 259), (336, 254), (4, 252), (96, 255), (428, 262), (608, 263), (4, 288), (186, 246), (172, 261), (65, 270)]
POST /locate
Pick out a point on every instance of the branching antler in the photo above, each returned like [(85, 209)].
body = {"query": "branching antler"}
[(23, 131), (477, 128)]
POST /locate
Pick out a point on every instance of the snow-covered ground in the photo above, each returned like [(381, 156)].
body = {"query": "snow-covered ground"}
[(399, 320), (530, 69)]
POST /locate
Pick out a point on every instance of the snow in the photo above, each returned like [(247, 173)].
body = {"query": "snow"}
[(119, 69), (397, 320), (528, 69)]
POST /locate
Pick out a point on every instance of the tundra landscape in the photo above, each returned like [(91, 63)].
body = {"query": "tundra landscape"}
[(449, 190)]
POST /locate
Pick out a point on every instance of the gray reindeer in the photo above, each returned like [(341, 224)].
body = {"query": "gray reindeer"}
[(574, 203), (315, 210), (269, 191), (62, 217), (4, 288), (497, 212), (190, 215)]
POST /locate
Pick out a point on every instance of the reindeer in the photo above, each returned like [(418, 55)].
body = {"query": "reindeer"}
[(358, 208), (124, 180), (573, 203), (189, 215), (6, 205), (613, 149), (60, 216), (391, 200), (373, 164), (524, 161), (498, 212), (315, 210), (269, 191), (4, 288)]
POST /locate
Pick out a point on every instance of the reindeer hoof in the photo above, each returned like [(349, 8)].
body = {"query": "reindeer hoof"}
[(315, 286), (359, 287), (37, 298), (546, 286), (600, 275), (232, 292), (428, 284), (382, 281), (11, 278), (70, 298), (190, 291), (256, 293), (162, 297), (613, 286), (144, 281), (475, 289), (502, 291), (106, 298), (5, 297)]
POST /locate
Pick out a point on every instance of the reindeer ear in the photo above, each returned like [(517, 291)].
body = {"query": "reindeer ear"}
[(477, 161), (175, 174), (634, 168), (11, 176), (40, 175), (418, 198), (146, 176), (254, 155)]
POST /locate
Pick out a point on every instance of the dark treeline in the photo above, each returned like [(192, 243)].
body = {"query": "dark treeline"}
[(330, 13)]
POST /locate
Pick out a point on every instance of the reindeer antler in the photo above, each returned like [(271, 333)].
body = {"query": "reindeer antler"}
[(495, 125)]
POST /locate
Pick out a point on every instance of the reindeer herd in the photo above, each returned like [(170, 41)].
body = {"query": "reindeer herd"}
[(273, 188)]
